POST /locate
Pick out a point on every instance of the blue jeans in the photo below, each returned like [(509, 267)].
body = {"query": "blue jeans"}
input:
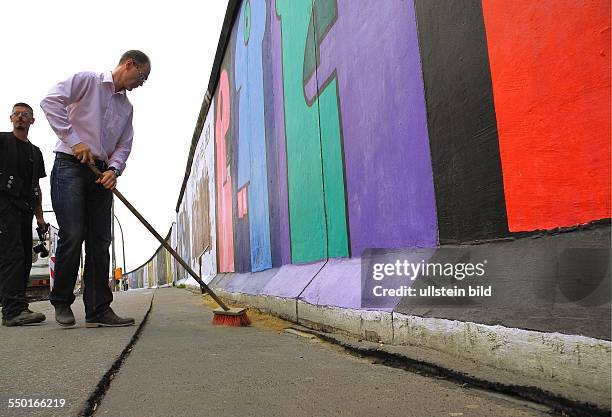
[(83, 212)]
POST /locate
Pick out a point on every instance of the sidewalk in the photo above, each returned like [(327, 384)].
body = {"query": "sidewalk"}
[(50, 362), (181, 365), (184, 366)]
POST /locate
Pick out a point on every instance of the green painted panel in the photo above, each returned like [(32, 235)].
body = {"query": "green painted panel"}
[(333, 174), (305, 180), (309, 206)]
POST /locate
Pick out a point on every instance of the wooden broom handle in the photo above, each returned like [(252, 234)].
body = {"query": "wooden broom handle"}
[(162, 241)]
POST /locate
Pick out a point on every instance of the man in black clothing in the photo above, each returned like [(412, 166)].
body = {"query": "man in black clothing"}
[(21, 167)]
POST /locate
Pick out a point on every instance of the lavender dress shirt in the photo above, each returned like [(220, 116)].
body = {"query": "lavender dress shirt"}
[(85, 108)]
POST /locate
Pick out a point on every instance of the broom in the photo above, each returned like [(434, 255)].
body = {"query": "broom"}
[(224, 315)]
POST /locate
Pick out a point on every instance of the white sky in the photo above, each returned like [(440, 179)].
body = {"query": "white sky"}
[(45, 41)]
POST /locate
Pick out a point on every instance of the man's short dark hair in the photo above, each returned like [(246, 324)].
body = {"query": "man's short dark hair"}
[(138, 57), (24, 105)]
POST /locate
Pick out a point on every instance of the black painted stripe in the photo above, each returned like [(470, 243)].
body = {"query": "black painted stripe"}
[(461, 120)]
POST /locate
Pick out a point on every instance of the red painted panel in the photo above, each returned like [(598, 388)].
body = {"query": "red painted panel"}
[(550, 66)]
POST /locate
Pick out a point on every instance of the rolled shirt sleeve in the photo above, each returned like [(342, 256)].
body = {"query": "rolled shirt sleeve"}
[(124, 146)]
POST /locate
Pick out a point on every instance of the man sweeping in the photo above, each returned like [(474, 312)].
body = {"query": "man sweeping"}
[(92, 118)]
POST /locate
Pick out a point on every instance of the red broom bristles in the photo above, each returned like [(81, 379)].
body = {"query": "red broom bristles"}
[(234, 320)]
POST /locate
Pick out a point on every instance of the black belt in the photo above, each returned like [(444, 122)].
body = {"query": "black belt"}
[(101, 165)]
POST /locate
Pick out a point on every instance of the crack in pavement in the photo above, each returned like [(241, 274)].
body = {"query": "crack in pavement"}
[(91, 404)]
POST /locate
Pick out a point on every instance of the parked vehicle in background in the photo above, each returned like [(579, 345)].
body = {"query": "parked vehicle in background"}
[(41, 274)]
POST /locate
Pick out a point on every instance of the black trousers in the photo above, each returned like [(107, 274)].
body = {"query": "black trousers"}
[(15, 259), (83, 212)]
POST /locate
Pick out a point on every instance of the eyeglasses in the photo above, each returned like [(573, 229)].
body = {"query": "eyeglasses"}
[(25, 114), (141, 76)]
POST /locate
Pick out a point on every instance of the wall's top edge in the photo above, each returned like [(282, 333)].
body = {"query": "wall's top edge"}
[(152, 256), (233, 6)]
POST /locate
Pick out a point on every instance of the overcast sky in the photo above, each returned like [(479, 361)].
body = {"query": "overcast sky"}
[(47, 41)]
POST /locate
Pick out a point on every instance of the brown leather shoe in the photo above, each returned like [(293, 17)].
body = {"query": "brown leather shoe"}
[(109, 319)]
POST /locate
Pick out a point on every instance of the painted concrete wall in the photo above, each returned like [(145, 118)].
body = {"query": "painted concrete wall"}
[(550, 70), (196, 221), (160, 270), (343, 125), (341, 132)]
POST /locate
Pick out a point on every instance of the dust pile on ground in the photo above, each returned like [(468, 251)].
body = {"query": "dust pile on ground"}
[(258, 319)]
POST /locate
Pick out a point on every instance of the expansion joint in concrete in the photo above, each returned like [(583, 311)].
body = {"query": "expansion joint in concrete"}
[(561, 405), (95, 398)]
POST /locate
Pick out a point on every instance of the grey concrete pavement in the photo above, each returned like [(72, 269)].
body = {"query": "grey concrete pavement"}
[(181, 365), (47, 361)]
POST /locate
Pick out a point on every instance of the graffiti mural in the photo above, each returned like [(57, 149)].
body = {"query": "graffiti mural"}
[(252, 181), (206, 264), (339, 126), (549, 84), (156, 272), (200, 206), (312, 133), (375, 66), (223, 172), (184, 232), (200, 226)]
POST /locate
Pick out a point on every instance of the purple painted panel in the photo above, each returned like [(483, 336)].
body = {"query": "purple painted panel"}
[(291, 280), (391, 200), (338, 285), (279, 133), (249, 283)]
